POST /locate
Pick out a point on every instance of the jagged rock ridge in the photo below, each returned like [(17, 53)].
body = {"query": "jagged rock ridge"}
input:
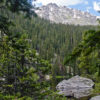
[(65, 15)]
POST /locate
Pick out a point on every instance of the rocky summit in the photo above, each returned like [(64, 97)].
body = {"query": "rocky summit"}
[(65, 15)]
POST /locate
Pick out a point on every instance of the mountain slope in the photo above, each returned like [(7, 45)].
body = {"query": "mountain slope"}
[(66, 15)]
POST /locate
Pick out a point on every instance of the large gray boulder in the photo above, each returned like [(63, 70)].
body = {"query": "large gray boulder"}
[(76, 87), (95, 98)]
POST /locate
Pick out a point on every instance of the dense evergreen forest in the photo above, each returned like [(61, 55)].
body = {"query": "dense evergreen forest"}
[(32, 49), (52, 41)]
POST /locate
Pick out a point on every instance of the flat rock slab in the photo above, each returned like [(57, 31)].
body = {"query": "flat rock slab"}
[(76, 87), (95, 98)]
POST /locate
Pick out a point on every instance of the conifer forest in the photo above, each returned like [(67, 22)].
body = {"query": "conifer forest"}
[(36, 54)]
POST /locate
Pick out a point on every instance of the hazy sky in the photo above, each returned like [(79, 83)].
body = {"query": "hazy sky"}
[(91, 6)]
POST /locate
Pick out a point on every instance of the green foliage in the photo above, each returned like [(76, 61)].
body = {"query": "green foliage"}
[(20, 67), (97, 88), (87, 53), (17, 6), (2, 97), (50, 39), (22, 71)]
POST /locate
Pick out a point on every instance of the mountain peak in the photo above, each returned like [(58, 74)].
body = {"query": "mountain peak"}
[(66, 15), (52, 4)]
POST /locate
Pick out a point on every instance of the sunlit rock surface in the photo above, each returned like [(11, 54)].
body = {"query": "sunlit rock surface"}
[(76, 87), (95, 98), (66, 15)]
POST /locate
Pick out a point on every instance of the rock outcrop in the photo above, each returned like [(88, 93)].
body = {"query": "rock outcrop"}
[(65, 15), (77, 87), (95, 98)]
